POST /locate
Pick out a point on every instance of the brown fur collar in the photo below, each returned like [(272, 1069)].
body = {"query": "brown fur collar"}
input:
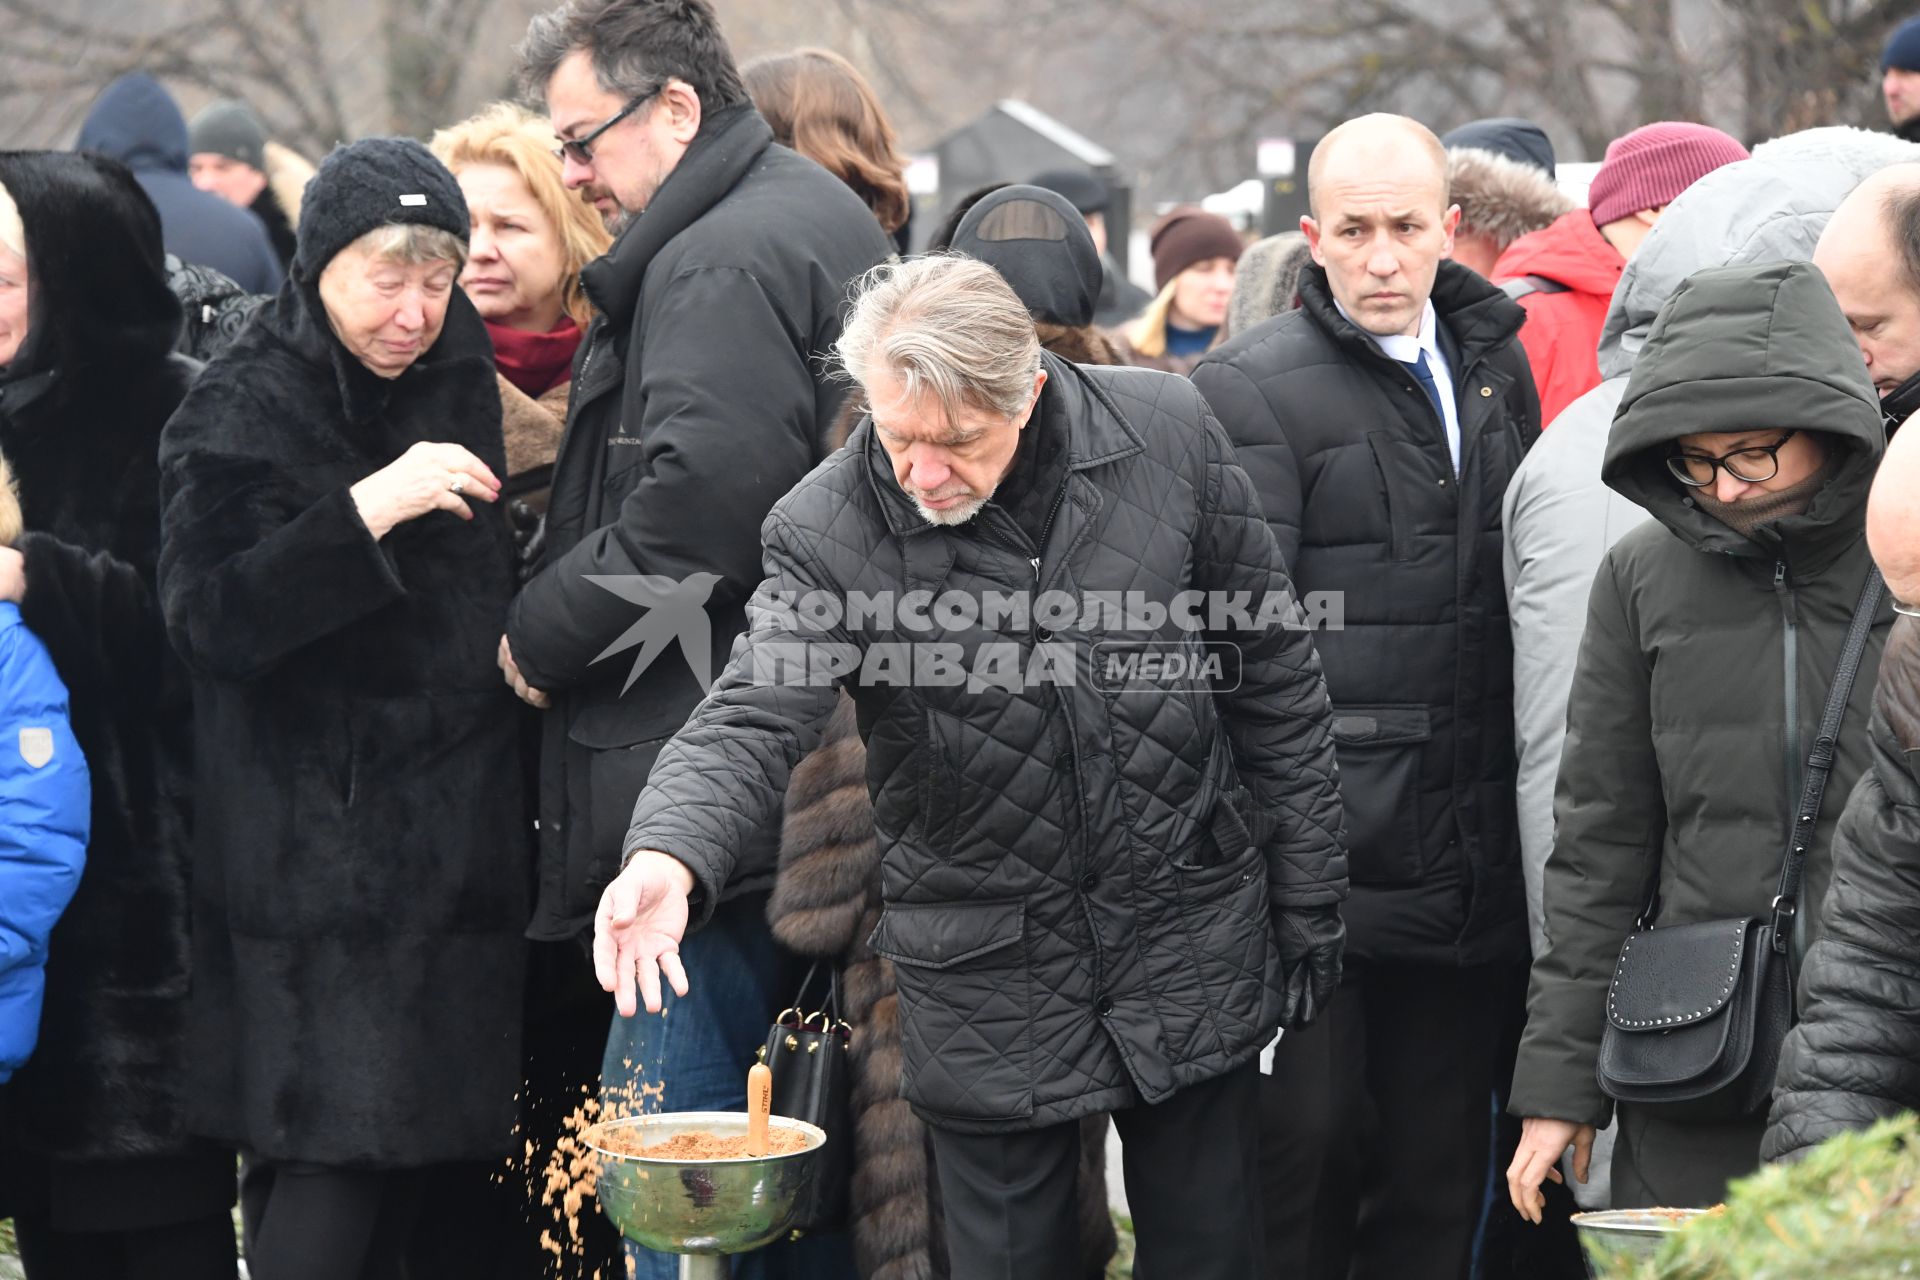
[(532, 427)]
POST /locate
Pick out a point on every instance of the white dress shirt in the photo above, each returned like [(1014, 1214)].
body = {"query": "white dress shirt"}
[(1407, 350)]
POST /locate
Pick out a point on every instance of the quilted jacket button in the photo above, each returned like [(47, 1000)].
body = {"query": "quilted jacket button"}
[(1088, 881), (1103, 1006)]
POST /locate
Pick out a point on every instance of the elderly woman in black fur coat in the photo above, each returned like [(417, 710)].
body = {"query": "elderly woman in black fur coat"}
[(96, 1164), (335, 572)]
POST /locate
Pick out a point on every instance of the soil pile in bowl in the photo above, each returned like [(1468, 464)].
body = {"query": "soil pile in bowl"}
[(696, 1146)]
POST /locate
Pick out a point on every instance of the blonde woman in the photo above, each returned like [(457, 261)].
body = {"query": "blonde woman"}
[(1194, 255), (530, 237)]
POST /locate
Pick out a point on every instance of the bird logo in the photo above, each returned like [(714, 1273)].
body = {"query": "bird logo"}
[(676, 609)]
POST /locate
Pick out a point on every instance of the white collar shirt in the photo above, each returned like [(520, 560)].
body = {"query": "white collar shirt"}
[(1409, 348)]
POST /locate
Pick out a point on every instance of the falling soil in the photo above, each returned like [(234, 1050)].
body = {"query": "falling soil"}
[(567, 1181), (695, 1146)]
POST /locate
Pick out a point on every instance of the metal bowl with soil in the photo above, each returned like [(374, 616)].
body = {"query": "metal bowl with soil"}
[(665, 1186)]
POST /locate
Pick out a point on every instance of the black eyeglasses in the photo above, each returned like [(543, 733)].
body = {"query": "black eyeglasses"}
[(581, 149), (1750, 466)]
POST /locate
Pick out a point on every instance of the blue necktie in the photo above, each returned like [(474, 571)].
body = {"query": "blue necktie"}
[(1425, 375)]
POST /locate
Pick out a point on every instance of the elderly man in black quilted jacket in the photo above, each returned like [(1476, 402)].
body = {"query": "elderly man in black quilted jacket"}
[(1100, 758)]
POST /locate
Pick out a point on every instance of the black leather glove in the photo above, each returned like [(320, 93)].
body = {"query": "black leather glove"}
[(1311, 941)]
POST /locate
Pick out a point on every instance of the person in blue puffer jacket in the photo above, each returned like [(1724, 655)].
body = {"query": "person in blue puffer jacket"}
[(45, 807)]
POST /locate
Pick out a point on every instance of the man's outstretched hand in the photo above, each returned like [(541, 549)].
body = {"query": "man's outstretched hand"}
[(637, 930)]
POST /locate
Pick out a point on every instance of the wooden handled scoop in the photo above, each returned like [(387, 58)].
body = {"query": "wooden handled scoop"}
[(759, 1106)]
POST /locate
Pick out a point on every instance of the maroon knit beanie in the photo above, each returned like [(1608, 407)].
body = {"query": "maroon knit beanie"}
[(1647, 168), (1188, 235)]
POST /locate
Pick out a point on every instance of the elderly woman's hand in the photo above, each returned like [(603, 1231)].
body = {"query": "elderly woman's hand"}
[(427, 477)]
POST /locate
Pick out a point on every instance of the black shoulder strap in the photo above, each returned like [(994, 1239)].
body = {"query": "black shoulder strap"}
[(1521, 286), (1820, 760)]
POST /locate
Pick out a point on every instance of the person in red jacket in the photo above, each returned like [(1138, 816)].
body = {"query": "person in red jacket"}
[(1564, 274)]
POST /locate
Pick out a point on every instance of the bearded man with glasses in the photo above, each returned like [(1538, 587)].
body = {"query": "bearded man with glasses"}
[(700, 396), (1750, 432)]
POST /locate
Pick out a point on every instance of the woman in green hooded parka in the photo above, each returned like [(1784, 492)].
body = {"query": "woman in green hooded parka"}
[(1750, 431)]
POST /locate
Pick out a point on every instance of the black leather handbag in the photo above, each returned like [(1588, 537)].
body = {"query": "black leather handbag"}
[(807, 1053), (1696, 1013)]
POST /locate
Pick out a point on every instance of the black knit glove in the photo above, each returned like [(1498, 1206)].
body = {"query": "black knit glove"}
[(1311, 940)]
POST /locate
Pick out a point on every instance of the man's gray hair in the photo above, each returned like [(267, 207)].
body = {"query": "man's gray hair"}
[(948, 327)]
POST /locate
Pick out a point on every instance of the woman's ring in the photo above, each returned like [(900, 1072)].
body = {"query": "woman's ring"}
[(458, 484)]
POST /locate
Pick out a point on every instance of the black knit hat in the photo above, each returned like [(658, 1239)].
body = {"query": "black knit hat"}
[(1040, 244), (229, 128), (369, 184)]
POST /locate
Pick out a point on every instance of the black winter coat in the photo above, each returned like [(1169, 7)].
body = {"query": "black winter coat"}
[(362, 851), (1355, 476), (699, 394), (1855, 1057), (1703, 670), (81, 409), (1077, 915)]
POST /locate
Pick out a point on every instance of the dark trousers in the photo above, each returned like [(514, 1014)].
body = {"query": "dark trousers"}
[(307, 1223), (1659, 1163), (1374, 1133), (200, 1250), (146, 1218), (1190, 1171)]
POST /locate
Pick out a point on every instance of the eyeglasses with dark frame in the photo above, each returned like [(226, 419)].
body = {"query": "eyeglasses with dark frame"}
[(1752, 465), (581, 149)]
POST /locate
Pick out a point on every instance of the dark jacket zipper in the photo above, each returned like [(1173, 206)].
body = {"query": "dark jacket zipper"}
[(1790, 615)]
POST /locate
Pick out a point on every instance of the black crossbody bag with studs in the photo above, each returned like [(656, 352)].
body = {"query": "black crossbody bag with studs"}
[(1696, 1013)]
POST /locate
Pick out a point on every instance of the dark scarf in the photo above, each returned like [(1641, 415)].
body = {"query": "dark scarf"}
[(1748, 514), (535, 363), (1900, 404), (1038, 470)]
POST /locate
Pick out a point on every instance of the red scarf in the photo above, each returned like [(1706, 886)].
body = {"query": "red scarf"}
[(535, 362)]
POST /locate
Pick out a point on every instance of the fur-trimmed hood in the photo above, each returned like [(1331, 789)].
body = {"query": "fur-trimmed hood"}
[(1502, 198), (288, 173)]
